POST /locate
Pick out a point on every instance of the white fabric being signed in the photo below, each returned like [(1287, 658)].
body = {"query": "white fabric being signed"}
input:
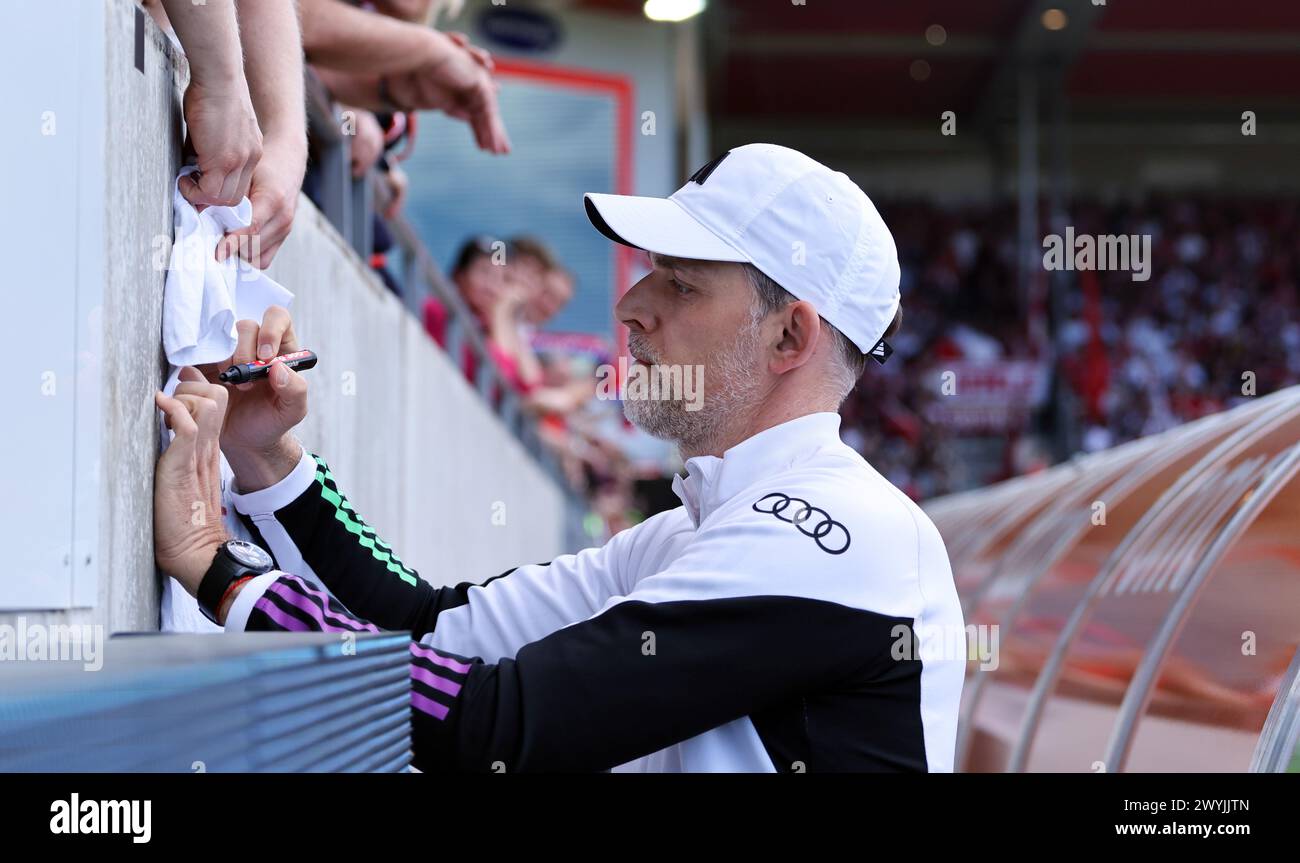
[(202, 301)]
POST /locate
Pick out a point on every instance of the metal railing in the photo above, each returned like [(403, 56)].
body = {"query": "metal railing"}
[(344, 200)]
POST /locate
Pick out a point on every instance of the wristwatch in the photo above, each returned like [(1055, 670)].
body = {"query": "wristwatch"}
[(235, 559)]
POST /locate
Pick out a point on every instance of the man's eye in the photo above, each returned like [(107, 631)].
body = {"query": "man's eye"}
[(679, 287)]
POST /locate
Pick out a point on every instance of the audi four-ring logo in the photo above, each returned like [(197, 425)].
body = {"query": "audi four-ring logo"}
[(830, 536)]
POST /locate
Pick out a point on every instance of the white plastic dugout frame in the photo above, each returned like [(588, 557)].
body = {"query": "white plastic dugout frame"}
[(1202, 533)]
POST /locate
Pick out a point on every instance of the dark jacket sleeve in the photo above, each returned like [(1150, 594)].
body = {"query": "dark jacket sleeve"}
[(634, 679)]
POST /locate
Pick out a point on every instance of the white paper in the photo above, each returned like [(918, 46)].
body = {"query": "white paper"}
[(202, 301)]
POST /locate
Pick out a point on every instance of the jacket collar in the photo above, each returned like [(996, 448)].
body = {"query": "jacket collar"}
[(711, 481)]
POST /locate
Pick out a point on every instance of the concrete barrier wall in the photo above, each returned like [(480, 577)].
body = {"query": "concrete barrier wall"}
[(420, 455)]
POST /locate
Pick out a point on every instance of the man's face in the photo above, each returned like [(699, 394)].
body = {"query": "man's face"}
[(693, 314)]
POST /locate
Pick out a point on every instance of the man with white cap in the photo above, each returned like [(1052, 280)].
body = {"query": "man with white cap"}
[(796, 613)]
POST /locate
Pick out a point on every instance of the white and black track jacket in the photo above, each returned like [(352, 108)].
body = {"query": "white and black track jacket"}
[(797, 613)]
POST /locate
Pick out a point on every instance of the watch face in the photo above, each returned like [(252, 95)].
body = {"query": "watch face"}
[(248, 555)]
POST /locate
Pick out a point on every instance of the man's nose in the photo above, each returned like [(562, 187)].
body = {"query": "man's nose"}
[(634, 309)]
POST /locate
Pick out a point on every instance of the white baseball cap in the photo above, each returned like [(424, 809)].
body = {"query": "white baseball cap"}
[(808, 228)]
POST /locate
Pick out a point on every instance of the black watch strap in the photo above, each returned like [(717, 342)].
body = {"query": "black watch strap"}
[(235, 559)]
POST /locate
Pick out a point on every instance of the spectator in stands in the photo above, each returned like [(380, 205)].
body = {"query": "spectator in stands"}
[(497, 295), (537, 287), (385, 57), (559, 392), (482, 282), (529, 263), (532, 260), (479, 282), (244, 114), (555, 293), (381, 60)]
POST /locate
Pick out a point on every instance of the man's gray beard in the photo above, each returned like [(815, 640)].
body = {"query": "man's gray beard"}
[(729, 393)]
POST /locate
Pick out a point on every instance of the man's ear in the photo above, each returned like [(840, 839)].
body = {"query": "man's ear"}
[(800, 331)]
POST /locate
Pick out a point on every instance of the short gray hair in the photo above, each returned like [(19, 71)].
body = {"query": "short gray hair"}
[(769, 297)]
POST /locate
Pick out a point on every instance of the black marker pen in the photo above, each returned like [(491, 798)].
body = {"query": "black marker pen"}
[(299, 361)]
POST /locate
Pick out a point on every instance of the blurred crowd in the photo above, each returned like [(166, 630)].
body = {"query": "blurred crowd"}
[(1216, 323)]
